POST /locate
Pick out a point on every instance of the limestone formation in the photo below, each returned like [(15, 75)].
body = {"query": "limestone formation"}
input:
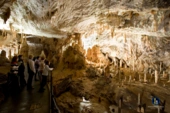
[(3, 59), (24, 49), (99, 43), (42, 54)]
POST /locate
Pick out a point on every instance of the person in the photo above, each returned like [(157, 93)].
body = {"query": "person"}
[(31, 72), (45, 75), (37, 61), (41, 67), (21, 70), (34, 58), (14, 78)]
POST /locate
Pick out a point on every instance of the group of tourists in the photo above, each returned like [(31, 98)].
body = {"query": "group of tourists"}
[(37, 68)]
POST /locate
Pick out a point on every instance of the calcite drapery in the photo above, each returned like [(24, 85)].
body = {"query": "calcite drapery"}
[(24, 49)]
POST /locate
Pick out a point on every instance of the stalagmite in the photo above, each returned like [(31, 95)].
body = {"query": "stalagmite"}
[(125, 79), (120, 103), (169, 78), (154, 25), (133, 64), (139, 104), (164, 74), (43, 54), (139, 77), (156, 76), (10, 56), (150, 71), (130, 78), (125, 65), (138, 98), (119, 76), (145, 80), (142, 110), (125, 40), (121, 63), (160, 66)]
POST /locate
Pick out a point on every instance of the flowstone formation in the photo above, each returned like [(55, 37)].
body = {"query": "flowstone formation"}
[(24, 48)]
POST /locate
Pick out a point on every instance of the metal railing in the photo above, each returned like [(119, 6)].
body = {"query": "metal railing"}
[(53, 104)]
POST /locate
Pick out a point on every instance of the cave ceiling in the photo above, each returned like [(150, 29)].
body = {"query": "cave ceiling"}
[(57, 18)]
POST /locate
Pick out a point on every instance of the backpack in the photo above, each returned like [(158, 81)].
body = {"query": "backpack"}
[(36, 64)]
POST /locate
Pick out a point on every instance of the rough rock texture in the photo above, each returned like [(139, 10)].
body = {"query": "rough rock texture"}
[(103, 44), (132, 30), (57, 17)]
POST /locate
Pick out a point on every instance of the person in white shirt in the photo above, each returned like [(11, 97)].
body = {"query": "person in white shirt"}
[(41, 67), (37, 64), (45, 75), (31, 72)]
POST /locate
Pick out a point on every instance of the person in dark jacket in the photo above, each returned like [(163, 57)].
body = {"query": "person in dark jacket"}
[(21, 70), (14, 78)]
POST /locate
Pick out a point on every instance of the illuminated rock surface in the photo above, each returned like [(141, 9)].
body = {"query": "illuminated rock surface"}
[(105, 46)]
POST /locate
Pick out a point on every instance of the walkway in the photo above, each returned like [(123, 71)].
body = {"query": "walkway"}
[(27, 101)]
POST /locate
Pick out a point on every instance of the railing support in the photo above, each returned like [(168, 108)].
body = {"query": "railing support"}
[(53, 104)]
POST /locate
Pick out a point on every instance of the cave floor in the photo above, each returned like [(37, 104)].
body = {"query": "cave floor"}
[(27, 101), (104, 93)]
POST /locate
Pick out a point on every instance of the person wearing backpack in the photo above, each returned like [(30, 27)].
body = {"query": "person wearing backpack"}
[(37, 63), (45, 75), (41, 67)]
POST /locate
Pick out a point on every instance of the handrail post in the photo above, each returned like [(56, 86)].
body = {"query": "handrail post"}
[(51, 95)]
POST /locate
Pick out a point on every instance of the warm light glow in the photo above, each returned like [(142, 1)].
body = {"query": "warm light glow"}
[(4, 26), (89, 42), (12, 52), (84, 104)]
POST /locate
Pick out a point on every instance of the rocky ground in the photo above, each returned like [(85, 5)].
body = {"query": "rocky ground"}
[(104, 93)]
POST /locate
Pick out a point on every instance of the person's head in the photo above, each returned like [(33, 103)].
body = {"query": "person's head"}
[(14, 59), (47, 62), (38, 57), (20, 57), (34, 58), (30, 56)]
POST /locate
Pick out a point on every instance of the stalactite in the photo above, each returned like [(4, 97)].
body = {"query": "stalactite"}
[(124, 35), (7, 15), (112, 32), (10, 54)]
